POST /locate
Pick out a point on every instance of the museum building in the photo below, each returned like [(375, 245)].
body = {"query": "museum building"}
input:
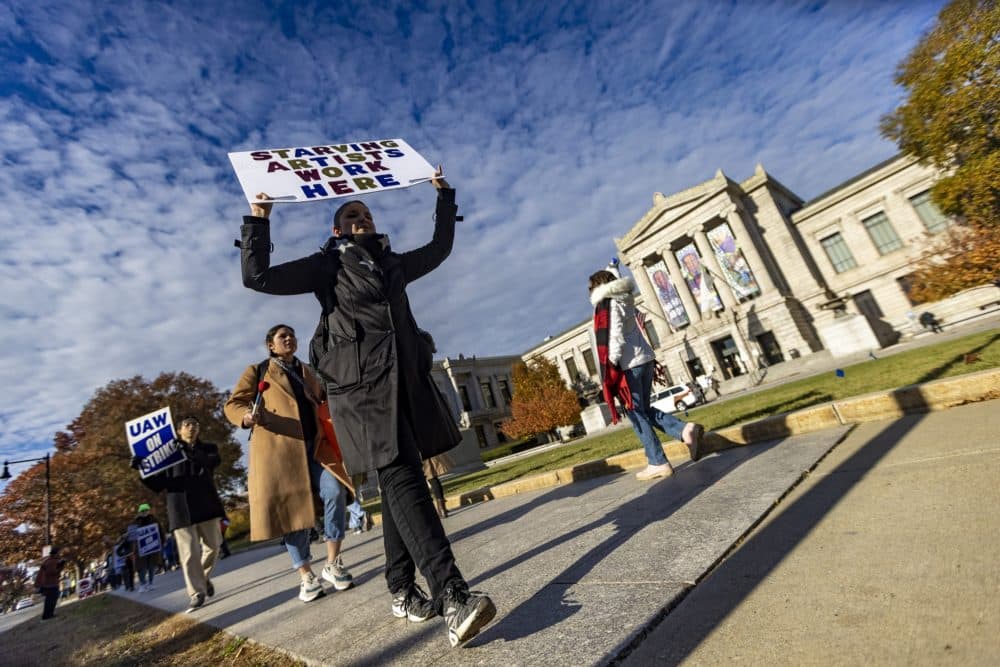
[(735, 277)]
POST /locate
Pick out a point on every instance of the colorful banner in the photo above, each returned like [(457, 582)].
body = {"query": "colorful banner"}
[(734, 265), (151, 438), (670, 301), (310, 173), (690, 263)]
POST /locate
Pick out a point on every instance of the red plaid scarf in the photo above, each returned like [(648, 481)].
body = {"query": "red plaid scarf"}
[(612, 378)]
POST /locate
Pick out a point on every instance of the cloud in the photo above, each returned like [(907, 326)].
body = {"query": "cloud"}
[(555, 121)]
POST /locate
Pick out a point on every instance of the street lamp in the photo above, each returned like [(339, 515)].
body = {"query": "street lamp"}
[(48, 496)]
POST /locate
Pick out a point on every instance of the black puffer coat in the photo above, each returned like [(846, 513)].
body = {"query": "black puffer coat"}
[(191, 494), (367, 347)]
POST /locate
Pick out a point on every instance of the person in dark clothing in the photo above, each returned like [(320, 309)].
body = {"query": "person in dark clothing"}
[(145, 565), (124, 549), (47, 581), (387, 411), (193, 509)]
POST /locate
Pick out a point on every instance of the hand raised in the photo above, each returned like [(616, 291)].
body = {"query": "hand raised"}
[(437, 179), (263, 209)]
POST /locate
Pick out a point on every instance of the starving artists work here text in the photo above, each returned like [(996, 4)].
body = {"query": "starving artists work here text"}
[(310, 173)]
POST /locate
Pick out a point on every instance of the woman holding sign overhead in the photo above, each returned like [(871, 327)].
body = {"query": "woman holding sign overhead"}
[(388, 413)]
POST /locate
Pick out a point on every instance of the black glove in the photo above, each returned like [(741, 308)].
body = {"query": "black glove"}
[(134, 463)]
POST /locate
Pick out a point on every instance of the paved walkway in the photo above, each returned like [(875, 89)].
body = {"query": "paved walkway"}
[(614, 570)]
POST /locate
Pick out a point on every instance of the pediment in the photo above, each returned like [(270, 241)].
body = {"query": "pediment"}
[(668, 210)]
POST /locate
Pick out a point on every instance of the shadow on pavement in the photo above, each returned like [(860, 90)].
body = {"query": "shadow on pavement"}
[(549, 606), (764, 550)]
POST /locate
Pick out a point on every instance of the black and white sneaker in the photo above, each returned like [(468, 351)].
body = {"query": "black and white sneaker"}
[(412, 604), (465, 612)]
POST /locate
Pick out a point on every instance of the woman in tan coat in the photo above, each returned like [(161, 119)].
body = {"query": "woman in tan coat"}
[(290, 458)]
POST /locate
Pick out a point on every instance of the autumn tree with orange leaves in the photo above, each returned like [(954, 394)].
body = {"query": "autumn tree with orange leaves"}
[(951, 120), (94, 492), (541, 400)]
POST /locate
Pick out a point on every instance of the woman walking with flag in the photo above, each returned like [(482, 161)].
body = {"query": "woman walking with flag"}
[(627, 367)]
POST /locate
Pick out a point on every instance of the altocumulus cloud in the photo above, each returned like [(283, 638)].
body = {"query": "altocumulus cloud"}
[(555, 122)]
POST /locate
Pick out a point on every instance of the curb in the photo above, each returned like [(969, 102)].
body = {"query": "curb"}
[(890, 404)]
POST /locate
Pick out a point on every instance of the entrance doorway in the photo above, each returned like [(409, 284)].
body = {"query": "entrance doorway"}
[(728, 355), (772, 351), (695, 368)]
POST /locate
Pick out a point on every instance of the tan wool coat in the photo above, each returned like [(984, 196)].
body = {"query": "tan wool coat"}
[(281, 500)]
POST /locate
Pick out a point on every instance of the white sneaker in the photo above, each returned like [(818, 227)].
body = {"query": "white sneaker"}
[(655, 472), (310, 589), (338, 575)]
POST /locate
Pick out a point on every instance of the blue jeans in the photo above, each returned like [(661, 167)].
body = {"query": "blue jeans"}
[(332, 494), (357, 514), (644, 418)]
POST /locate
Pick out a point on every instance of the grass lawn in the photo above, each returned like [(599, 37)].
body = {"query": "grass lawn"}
[(928, 363), (108, 630)]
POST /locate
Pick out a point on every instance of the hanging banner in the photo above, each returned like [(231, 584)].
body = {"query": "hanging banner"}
[(670, 301), (735, 268), (690, 263), (151, 438), (312, 173)]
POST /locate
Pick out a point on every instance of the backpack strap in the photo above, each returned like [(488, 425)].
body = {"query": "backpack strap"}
[(261, 370)]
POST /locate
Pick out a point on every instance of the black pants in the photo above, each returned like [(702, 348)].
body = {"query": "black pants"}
[(51, 594), (411, 529)]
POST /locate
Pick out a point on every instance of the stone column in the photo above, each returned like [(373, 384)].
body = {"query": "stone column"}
[(652, 303), (709, 259), (746, 244), (673, 268)]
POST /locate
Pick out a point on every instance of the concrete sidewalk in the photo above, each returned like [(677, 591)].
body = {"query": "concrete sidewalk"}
[(885, 553)]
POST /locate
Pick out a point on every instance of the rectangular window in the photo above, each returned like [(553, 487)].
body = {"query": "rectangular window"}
[(883, 235), (571, 368), (489, 400), (466, 403), (588, 358), (481, 437), (906, 286), (929, 214), (838, 252), (504, 390)]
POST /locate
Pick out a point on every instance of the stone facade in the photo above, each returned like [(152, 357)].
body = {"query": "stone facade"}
[(787, 274), (478, 390)]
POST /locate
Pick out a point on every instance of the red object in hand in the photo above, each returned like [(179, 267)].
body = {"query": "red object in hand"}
[(261, 388)]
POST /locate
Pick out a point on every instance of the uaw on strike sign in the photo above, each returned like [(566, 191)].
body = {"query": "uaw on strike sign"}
[(308, 173), (151, 438)]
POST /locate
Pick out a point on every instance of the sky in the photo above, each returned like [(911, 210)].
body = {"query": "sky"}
[(554, 121)]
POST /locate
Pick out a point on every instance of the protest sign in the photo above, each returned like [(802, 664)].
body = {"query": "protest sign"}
[(148, 539), (151, 438), (308, 173)]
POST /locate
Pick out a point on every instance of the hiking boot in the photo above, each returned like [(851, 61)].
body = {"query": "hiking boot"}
[(412, 604), (311, 588), (465, 612), (197, 600), (209, 588), (655, 472), (692, 435), (338, 575)]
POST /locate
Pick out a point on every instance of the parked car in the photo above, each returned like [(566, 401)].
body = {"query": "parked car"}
[(23, 603), (672, 399)]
